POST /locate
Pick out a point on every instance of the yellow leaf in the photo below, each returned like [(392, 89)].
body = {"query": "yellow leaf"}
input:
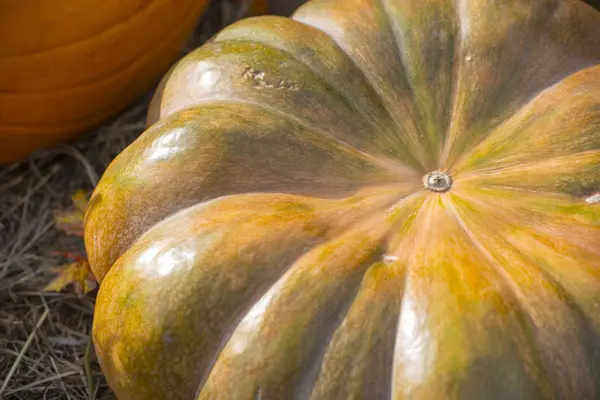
[(77, 274), (80, 200), (71, 221)]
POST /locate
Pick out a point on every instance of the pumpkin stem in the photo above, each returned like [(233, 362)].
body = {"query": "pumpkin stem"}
[(437, 181)]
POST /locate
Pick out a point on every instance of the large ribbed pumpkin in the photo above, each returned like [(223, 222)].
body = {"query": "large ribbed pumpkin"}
[(67, 65), (375, 199)]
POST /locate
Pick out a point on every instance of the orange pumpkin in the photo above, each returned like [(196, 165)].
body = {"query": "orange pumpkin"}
[(66, 65), (258, 7), (375, 199)]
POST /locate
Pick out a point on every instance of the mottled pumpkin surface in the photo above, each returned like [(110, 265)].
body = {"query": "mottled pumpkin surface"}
[(275, 233), (67, 65)]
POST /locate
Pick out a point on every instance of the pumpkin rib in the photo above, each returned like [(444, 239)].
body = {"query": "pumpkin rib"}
[(402, 220), (568, 297), (369, 81), (230, 226), (353, 226), (377, 99), (313, 133), (570, 251), (309, 67), (113, 75), (308, 381), (195, 150), (449, 138), (509, 92), (562, 176), (580, 285), (524, 310), (544, 178), (556, 244), (393, 165), (235, 323), (533, 226), (381, 5), (563, 297), (508, 281), (311, 373), (456, 312), (297, 58), (343, 117), (457, 66), (542, 201), (227, 330), (402, 63), (526, 54), (566, 218), (397, 215), (258, 341), (352, 364), (413, 48), (560, 168), (480, 173), (500, 135), (414, 135)]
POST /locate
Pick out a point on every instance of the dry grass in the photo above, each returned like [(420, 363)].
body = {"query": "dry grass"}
[(44, 337)]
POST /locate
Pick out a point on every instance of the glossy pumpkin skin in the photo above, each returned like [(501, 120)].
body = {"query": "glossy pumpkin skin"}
[(271, 236), (67, 65)]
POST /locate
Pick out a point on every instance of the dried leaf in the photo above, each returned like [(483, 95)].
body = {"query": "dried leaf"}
[(76, 274), (80, 200), (71, 221)]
